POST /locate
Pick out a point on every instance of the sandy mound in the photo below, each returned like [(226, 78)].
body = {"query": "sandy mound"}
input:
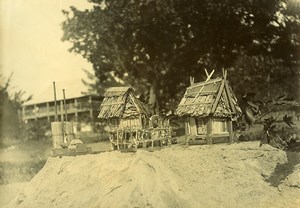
[(197, 176)]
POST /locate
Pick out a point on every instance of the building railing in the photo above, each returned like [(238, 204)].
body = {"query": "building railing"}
[(44, 111)]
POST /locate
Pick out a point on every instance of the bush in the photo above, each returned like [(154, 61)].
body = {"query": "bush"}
[(251, 134), (37, 130), (18, 172)]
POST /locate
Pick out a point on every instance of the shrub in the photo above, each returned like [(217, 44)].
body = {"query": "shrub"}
[(18, 172)]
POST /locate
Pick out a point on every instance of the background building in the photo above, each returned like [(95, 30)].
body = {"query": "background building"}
[(82, 108)]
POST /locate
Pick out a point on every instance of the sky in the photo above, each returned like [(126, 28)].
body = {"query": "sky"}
[(31, 46)]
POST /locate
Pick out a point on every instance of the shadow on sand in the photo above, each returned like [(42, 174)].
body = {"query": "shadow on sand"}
[(283, 170)]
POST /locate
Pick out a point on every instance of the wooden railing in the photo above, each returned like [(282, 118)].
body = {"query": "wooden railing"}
[(40, 112)]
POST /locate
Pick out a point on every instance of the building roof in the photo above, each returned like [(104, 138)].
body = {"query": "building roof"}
[(212, 97), (120, 102), (73, 89)]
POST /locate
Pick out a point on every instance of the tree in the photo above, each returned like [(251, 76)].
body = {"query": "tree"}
[(265, 113), (156, 45), (9, 106)]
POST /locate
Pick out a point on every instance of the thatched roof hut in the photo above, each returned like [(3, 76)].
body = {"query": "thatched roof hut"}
[(121, 108), (209, 108)]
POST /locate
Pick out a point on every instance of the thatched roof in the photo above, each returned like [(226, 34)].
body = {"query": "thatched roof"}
[(120, 102), (212, 97)]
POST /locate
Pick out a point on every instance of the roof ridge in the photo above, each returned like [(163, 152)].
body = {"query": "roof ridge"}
[(198, 84)]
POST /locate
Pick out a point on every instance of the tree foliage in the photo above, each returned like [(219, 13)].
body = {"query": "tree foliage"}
[(9, 106), (265, 113), (156, 45)]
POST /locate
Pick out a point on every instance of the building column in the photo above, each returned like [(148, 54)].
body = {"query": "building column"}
[(92, 124), (76, 126), (91, 114), (48, 112), (61, 110), (91, 107), (76, 113), (20, 116), (23, 113)]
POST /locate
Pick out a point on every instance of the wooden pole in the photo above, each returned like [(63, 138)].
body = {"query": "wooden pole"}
[(62, 110), (230, 129), (55, 104), (209, 131), (118, 147), (62, 120), (192, 80), (210, 75), (65, 106), (206, 72)]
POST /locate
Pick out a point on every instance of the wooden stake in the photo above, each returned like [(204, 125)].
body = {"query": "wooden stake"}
[(230, 128), (206, 73), (192, 80), (210, 75), (55, 104), (65, 106), (224, 72)]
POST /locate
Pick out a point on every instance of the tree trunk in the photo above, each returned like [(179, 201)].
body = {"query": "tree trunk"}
[(153, 101)]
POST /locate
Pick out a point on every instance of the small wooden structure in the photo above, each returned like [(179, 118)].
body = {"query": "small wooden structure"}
[(121, 109), (209, 108), (128, 120)]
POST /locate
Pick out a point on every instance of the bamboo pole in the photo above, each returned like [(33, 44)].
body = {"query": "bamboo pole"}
[(62, 121), (65, 106), (55, 104)]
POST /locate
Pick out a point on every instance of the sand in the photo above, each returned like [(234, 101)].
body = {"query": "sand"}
[(225, 175), (9, 191)]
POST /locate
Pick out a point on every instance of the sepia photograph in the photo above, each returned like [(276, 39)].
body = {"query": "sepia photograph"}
[(150, 103)]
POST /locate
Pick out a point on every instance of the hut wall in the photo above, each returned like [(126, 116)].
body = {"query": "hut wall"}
[(220, 126), (187, 127), (130, 123), (220, 130), (112, 124), (215, 130), (196, 127), (192, 124)]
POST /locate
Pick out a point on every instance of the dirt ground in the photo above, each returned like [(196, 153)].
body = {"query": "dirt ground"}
[(224, 175)]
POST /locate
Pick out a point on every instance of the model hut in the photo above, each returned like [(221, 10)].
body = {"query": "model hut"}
[(128, 121), (209, 108), (121, 109)]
